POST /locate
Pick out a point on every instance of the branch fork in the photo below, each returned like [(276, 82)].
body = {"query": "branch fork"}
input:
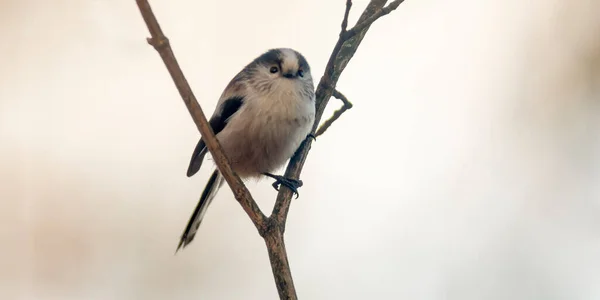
[(272, 228)]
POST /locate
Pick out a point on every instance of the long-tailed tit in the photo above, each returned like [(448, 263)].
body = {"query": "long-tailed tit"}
[(266, 111)]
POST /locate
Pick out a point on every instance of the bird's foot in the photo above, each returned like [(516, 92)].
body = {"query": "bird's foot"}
[(290, 183), (312, 136)]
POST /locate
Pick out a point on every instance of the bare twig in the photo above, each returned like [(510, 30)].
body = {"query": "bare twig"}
[(338, 60), (160, 42), (346, 14), (342, 98), (273, 227), (341, 54), (337, 114), (378, 14)]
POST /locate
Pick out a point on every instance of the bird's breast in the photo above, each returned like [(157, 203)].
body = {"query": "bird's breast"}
[(266, 132), (284, 126)]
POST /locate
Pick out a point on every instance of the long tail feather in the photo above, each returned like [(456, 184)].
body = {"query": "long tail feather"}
[(210, 191)]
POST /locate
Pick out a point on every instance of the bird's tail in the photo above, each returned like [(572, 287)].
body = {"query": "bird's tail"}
[(210, 191)]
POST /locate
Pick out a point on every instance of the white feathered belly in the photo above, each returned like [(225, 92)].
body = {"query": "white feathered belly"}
[(261, 140)]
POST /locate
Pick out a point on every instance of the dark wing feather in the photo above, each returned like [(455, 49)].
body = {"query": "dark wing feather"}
[(217, 123)]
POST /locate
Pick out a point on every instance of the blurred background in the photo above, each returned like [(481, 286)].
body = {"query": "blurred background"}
[(467, 169)]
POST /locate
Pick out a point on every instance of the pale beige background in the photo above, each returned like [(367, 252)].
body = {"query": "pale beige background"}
[(468, 168)]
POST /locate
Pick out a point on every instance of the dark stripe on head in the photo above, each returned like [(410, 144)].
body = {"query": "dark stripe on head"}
[(274, 57), (271, 57)]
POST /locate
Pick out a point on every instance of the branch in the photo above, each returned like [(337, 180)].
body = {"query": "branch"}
[(280, 266), (378, 14), (337, 114), (160, 42), (346, 14), (338, 60), (342, 52)]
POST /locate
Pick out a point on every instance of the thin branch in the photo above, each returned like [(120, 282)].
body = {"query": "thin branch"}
[(337, 114), (160, 42), (341, 54), (342, 98), (346, 14), (378, 14)]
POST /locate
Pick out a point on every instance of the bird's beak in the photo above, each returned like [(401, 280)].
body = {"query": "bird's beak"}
[(289, 75)]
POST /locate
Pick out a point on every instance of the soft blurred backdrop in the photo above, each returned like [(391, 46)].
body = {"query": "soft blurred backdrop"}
[(467, 169)]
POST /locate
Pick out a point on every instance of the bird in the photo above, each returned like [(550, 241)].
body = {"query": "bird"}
[(262, 117)]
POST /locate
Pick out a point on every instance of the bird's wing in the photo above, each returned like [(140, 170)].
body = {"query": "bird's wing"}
[(217, 122)]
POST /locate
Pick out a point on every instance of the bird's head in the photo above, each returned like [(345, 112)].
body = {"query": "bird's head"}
[(282, 67)]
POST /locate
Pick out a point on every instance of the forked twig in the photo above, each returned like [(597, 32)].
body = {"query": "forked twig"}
[(337, 114), (272, 228)]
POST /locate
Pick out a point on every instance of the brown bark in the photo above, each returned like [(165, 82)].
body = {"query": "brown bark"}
[(160, 42), (279, 263)]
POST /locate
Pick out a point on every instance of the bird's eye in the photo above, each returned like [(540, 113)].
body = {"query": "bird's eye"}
[(300, 73), (273, 70)]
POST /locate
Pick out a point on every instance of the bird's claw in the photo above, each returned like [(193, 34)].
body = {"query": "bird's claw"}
[(310, 135), (290, 183)]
